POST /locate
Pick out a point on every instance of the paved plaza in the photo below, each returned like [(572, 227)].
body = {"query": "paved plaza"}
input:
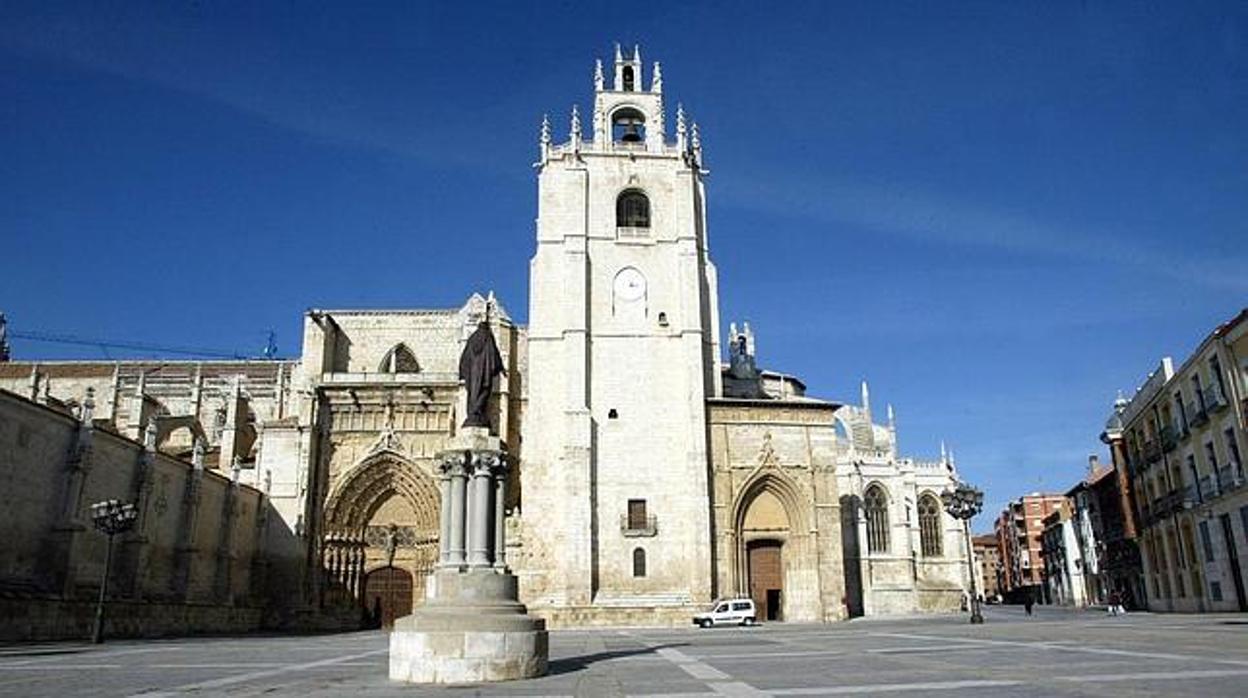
[(1054, 653)]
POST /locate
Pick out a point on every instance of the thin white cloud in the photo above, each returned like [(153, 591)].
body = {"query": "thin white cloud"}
[(911, 213)]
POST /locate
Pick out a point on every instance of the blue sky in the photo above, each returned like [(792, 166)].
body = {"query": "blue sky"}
[(999, 215)]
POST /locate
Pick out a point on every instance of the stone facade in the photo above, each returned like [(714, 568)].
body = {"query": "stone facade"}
[(1180, 440), (638, 490), (200, 557)]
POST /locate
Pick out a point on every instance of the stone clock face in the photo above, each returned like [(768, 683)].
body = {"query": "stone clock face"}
[(630, 285)]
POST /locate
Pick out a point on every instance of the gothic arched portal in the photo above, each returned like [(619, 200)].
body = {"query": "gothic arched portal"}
[(383, 515), (769, 522)]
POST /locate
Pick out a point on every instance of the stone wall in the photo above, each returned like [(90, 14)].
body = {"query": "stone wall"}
[(196, 560), (774, 478)]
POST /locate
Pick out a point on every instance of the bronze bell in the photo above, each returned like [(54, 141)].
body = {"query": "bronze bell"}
[(631, 134)]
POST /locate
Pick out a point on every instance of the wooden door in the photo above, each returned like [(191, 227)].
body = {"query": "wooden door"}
[(388, 595), (766, 578)]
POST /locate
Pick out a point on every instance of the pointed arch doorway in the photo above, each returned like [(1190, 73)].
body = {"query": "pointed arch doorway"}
[(766, 552)]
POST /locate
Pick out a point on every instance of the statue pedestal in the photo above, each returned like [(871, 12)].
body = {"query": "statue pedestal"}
[(472, 627)]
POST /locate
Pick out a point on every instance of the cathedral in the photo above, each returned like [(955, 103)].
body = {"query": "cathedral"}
[(654, 467)]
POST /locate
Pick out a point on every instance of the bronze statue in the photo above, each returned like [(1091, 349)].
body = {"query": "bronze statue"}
[(743, 379), (478, 365)]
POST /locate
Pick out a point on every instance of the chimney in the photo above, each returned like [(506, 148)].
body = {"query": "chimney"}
[(1093, 464)]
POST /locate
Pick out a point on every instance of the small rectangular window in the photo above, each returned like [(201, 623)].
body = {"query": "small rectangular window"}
[(636, 514)]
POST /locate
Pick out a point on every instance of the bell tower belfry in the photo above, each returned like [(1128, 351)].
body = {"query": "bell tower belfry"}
[(622, 354)]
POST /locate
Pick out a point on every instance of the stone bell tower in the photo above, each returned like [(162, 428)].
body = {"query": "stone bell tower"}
[(623, 352)]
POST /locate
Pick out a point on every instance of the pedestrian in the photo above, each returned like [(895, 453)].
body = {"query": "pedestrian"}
[(1115, 604), (1028, 602)]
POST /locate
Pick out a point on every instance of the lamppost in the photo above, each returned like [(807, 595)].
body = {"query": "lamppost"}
[(964, 502), (110, 518)]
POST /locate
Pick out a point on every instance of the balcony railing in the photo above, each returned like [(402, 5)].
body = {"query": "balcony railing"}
[(1230, 477), (1174, 501), (1169, 438), (1215, 401), (1196, 414), (1208, 487), (639, 529), (1152, 451)]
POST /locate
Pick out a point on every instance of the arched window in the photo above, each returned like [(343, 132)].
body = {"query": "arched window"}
[(632, 210), (628, 78), (875, 505), (639, 562), (930, 538), (400, 359), (628, 125)]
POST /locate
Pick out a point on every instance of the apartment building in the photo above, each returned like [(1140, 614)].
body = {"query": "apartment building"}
[(1020, 531), (1182, 445)]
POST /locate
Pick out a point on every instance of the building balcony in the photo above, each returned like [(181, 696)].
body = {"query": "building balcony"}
[(1176, 500), (1152, 452), (1215, 401), (1169, 438), (1208, 487), (639, 529), (1230, 477), (1196, 414)]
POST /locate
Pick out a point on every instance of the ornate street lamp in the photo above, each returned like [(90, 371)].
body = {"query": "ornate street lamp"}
[(110, 518), (964, 502)]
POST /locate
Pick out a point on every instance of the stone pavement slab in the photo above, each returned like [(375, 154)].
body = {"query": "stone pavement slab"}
[(1055, 653)]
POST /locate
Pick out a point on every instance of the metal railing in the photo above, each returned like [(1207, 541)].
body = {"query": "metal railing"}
[(1169, 438), (1215, 401), (639, 529), (1231, 477), (1196, 414), (1152, 451)]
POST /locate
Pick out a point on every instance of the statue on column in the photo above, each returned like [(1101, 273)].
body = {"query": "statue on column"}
[(743, 379), (478, 365)]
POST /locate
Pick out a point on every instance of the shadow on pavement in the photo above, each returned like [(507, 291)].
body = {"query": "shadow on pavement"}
[(568, 665), (40, 652)]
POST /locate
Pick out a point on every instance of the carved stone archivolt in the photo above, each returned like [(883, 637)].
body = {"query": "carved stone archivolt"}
[(370, 484)]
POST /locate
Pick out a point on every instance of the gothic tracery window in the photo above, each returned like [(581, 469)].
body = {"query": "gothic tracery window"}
[(400, 359), (875, 506), (929, 526)]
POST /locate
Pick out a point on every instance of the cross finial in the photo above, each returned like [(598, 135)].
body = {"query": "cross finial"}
[(4, 338), (88, 407)]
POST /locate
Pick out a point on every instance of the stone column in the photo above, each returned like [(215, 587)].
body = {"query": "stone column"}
[(459, 485), (500, 515), (481, 526), (444, 530)]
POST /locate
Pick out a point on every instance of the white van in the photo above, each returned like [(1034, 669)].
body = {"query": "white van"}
[(728, 612)]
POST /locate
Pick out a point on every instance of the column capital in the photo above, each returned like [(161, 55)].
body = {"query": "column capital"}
[(453, 463), (488, 462)]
